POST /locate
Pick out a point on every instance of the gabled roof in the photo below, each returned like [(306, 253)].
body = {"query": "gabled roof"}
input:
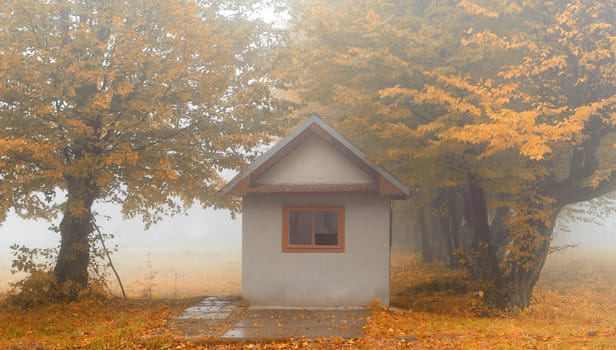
[(385, 183)]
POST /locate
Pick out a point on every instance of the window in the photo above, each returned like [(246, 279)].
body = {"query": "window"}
[(313, 228)]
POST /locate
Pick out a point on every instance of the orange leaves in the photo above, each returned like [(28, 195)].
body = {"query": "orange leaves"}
[(394, 130), (483, 94), (535, 148), (154, 97), (475, 9), (344, 95), (510, 130), (12, 148), (127, 158), (101, 101), (432, 308), (89, 323), (397, 91), (439, 97), (12, 145), (124, 88)]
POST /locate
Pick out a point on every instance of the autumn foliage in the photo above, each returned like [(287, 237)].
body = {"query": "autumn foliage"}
[(498, 114), (141, 104)]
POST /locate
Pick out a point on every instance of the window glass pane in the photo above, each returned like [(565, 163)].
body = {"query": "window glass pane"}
[(326, 228), (300, 228)]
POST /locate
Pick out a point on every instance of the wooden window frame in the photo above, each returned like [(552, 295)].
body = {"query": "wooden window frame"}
[(287, 209)]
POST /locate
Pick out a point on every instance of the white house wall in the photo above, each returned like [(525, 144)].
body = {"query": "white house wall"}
[(314, 162), (351, 278)]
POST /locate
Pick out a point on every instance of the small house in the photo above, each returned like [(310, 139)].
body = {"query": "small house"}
[(316, 222)]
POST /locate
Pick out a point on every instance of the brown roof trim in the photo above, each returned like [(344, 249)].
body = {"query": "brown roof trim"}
[(325, 136), (243, 183), (314, 188)]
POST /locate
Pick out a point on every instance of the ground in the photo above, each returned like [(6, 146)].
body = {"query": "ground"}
[(432, 308)]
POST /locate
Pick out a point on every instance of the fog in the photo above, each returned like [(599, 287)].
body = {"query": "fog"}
[(181, 256), (199, 254), (589, 236)]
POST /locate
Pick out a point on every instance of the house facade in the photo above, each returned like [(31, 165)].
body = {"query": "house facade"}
[(316, 222)]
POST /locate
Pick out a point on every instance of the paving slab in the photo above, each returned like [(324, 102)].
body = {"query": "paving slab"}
[(298, 323), (210, 318), (230, 318)]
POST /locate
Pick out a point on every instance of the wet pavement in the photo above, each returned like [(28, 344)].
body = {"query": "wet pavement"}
[(210, 318), (294, 323), (230, 318)]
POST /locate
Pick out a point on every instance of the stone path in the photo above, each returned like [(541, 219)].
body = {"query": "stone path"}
[(229, 318)]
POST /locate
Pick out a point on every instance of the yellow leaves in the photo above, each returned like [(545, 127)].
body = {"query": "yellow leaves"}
[(124, 88), (77, 208), (485, 37), (374, 22), (34, 150), (510, 73), (395, 130), (598, 177), (396, 91), (555, 63), (127, 158), (475, 9), (91, 321), (428, 129), (102, 100), (535, 148), (493, 98), (436, 96), (583, 113), (43, 109), (12, 145), (594, 58), (345, 95)]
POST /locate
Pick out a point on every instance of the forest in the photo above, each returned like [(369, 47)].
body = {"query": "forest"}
[(500, 116)]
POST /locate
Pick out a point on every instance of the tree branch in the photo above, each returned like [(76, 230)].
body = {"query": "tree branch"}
[(577, 192), (583, 164), (100, 237)]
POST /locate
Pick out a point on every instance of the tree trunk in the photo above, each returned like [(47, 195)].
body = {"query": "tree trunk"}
[(489, 271), (446, 229), (454, 224), (71, 270), (479, 223), (424, 234), (499, 232), (521, 281), (455, 219)]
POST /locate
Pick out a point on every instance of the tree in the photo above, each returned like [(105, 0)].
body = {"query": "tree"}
[(142, 104), (498, 114)]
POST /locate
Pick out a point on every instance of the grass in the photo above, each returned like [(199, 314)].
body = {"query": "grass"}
[(109, 324), (432, 308), (572, 308)]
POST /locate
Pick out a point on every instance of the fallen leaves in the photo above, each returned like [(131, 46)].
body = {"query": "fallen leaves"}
[(89, 324), (432, 308)]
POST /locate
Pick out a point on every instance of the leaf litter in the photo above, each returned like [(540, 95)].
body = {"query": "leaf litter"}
[(432, 308)]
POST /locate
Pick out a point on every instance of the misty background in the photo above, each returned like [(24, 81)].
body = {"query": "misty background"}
[(200, 253), (185, 255)]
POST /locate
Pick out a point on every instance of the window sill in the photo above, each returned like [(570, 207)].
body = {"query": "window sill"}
[(313, 249)]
